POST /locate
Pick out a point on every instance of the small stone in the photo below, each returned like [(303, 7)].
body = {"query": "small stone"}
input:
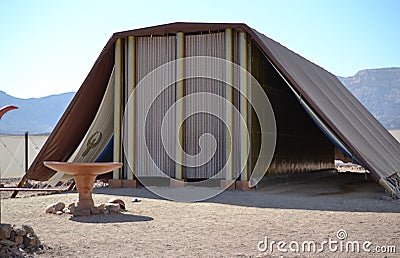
[(118, 201), (28, 229), (113, 207), (15, 252), (19, 240), (19, 231), (7, 242), (50, 209), (101, 206), (94, 210), (30, 240), (59, 206), (12, 235), (59, 212), (104, 211), (5, 230), (66, 210), (72, 209), (71, 205)]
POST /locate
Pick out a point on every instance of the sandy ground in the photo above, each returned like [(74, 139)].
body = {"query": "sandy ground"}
[(229, 225)]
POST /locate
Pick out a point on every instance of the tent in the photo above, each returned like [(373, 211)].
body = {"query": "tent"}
[(317, 118)]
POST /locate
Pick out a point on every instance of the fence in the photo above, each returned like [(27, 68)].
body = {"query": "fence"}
[(12, 153)]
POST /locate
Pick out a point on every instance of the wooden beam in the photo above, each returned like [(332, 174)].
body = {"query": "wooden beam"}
[(243, 101), (228, 108), (130, 115), (180, 53), (117, 106)]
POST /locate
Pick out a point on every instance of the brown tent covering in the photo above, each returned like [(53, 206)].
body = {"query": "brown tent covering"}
[(362, 135)]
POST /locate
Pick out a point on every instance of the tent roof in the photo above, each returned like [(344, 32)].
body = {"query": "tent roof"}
[(366, 139)]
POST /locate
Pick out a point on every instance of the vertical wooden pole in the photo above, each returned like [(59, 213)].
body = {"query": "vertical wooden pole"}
[(229, 96), (180, 53), (117, 106), (130, 116), (243, 101), (26, 152)]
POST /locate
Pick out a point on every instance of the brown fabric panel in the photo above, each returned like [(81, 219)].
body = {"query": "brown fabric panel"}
[(77, 118), (365, 137), (172, 28)]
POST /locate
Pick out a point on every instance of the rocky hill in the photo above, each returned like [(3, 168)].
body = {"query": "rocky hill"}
[(379, 91), (35, 115)]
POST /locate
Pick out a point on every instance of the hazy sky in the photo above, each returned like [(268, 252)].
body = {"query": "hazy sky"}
[(48, 47)]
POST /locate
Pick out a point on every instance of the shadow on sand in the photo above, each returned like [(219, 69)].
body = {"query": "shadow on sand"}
[(328, 192), (113, 218)]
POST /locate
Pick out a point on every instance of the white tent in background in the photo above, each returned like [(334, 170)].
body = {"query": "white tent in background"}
[(12, 153)]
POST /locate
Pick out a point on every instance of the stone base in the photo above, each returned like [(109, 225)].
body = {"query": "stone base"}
[(177, 183), (243, 186), (227, 184), (115, 183), (81, 212), (129, 183)]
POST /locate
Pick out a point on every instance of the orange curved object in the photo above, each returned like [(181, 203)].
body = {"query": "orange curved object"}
[(84, 175), (5, 109)]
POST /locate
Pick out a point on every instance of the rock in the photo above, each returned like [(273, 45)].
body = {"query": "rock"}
[(19, 240), (53, 208), (104, 211), (66, 210), (5, 230), (50, 209), (6, 242), (101, 206), (71, 205), (12, 236), (59, 212), (72, 209), (118, 201), (19, 231), (30, 240), (94, 210), (81, 213), (28, 229), (15, 252), (113, 207), (59, 206)]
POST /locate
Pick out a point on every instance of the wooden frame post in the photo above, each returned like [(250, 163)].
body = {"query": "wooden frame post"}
[(117, 106)]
